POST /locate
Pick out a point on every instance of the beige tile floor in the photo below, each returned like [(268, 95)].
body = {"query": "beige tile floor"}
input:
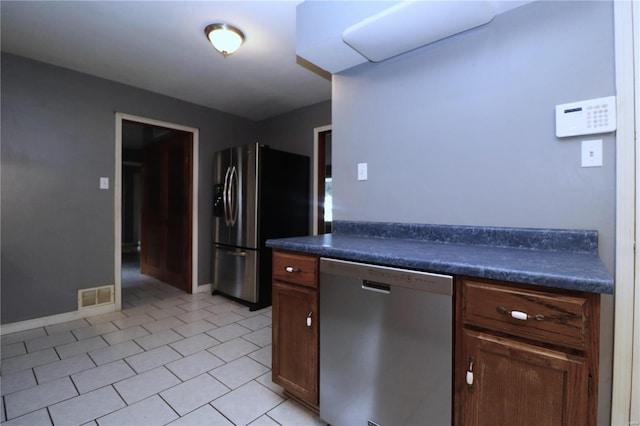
[(167, 358)]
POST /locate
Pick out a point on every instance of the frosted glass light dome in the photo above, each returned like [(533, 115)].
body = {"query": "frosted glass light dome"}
[(224, 37)]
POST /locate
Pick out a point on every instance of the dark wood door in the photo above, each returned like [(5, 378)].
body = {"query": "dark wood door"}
[(323, 167), (153, 212), (520, 384), (295, 363), (167, 210)]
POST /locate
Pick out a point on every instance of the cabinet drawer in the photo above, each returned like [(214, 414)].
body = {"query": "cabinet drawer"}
[(543, 316), (295, 268)]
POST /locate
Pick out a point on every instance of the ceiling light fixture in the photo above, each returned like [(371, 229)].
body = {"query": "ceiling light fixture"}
[(224, 37)]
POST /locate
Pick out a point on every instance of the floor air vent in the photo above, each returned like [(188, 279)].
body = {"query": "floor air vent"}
[(97, 296)]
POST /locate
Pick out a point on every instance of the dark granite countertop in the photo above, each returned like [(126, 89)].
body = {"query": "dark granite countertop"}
[(565, 259)]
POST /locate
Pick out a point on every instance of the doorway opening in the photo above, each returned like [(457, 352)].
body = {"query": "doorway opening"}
[(323, 185), (155, 209)]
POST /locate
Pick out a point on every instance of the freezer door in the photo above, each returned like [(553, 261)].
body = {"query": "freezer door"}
[(235, 272)]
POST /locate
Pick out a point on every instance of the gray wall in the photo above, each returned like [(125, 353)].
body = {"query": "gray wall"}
[(58, 138), (293, 132), (58, 133), (463, 132)]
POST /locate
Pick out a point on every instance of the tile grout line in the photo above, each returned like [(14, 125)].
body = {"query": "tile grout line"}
[(261, 321)]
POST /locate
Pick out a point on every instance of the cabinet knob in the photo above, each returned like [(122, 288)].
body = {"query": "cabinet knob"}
[(291, 269), (309, 319)]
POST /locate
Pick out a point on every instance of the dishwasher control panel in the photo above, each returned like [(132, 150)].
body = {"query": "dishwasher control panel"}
[(418, 280)]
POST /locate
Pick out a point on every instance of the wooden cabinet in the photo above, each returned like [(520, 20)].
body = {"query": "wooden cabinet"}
[(525, 355), (296, 326)]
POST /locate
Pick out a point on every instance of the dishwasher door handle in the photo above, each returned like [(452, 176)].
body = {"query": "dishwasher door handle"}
[(376, 287)]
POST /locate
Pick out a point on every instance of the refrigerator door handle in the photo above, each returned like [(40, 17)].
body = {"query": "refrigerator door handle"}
[(233, 196), (225, 196)]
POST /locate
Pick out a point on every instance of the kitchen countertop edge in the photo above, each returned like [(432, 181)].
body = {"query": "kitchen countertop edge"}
[(563, 269)]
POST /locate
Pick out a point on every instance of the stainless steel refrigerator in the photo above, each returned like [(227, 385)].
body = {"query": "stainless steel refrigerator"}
[(259, 193)]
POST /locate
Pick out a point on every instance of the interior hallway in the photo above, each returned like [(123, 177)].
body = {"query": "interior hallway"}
[(167, 358)]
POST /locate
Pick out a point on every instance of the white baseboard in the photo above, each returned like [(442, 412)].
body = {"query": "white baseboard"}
[(70, 316), (55, 319)]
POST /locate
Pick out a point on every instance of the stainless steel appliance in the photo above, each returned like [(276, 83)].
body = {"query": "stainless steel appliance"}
[(386, 351), (259, 193)]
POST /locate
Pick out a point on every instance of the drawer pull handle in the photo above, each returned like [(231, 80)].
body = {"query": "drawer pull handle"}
[(309, 319), (519, 315), (291, 269)]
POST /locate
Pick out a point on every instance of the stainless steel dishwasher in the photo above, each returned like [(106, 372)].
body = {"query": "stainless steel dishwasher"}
[(386, 349)]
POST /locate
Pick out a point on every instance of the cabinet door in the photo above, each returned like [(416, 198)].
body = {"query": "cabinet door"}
[(520, 384), (295, 340)]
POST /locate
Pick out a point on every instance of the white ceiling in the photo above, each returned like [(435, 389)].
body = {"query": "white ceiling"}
[(160, 46)]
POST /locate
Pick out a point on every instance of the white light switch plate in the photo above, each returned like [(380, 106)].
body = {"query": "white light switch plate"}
[(592, 153), (362, 171), (104, 183)]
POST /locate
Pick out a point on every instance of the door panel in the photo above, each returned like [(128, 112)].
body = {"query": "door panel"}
[(166, 211), (178, 228), (153, 207), (509, 375), (295, 360)]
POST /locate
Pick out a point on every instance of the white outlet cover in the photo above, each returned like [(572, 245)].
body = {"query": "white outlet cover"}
[(592, 153)]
